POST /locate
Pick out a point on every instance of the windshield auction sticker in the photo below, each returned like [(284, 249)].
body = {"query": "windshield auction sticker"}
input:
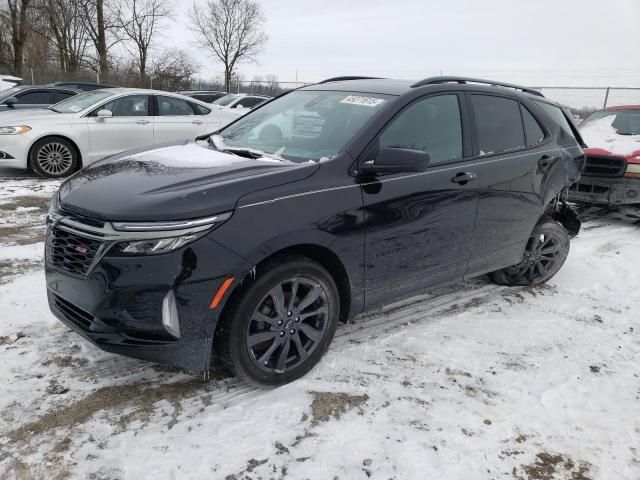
[(364, 101)]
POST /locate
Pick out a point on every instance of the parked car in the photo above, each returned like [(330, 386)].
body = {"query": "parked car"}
[(256, 244), (612, 169), (208, 96), (28, 97), (8, 81), (76, 132), (83, 86), (235, 105)]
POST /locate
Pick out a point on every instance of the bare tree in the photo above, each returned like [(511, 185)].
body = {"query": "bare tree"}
[(139, 21), (231, 30), (68, 31), (18, 15), (100, 18), (173, 70)]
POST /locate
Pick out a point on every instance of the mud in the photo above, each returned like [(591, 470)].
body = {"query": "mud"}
[(327, 405)]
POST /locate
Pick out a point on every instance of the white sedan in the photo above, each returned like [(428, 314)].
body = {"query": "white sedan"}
[(56, 141)]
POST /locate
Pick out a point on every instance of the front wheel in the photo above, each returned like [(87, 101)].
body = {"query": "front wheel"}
[(53, 157), (545, 253), (280, 325)]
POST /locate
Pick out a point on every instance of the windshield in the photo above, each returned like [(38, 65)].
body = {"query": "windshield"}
[(226, 100), (80, 102), (304, 125), (620, 122), (9, 93)]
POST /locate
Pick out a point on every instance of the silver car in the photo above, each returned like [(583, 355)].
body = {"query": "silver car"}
[(59, 140)]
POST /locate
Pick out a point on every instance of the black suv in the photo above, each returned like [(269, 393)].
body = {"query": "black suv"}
[(249, 246)]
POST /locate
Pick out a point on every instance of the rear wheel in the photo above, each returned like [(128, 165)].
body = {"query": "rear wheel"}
[(53, 157), (280, 325), (545, 253)]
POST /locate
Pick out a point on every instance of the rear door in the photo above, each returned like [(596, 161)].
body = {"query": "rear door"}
[(131, 126), (513, 163), (419, 226), (176, 119)]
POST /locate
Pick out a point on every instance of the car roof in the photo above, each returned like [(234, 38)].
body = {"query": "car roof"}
[(82, 83), (185, 92), (388, 86), (46, 87)]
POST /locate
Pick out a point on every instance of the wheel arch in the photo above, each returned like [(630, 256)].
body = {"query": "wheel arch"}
[(319, 254), (73, 143)]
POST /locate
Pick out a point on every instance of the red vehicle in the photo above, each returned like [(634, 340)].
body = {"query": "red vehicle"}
[(612, 170)]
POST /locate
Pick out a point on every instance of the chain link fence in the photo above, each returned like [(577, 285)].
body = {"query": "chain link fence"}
[(581, 100)]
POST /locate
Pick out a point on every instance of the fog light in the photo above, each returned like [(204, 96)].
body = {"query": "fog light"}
[(632, 193), (170, 319)]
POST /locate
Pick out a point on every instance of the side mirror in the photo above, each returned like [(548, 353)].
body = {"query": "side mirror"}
[(11, 102), (102, 114), (239, 106), (396, 160)]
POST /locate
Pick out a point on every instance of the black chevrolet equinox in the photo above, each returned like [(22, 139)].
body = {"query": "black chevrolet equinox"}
[(247, 246)]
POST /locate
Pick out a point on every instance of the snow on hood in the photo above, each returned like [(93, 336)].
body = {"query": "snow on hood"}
[(192, 155), (601, 134)]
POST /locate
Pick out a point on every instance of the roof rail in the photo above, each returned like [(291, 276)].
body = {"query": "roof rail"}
[(438, 80), (354, 77)]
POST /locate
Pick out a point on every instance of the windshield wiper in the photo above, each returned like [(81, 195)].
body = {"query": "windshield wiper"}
[(217, 142)]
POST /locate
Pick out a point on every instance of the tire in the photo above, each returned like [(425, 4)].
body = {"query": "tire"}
[(267, 339), (53, 157), (545, 253)]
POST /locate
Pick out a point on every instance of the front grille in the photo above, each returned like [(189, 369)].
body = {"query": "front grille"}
[(603, 166), (586, 188), (71, 252), (75, 315)]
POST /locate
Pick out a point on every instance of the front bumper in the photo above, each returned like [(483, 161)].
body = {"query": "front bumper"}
[(16, 147), (605, 190), (118, 305)]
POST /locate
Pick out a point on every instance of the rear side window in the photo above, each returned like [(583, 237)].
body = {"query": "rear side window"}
[(556, 114), (249, 102), (498, 123), (199, 109), (532, 129), (432, 125)]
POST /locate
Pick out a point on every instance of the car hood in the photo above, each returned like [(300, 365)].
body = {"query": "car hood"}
[(172, 182), (13, 117), (601, 136)]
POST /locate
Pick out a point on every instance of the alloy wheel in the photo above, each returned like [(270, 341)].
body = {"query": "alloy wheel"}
[(288, 324), (543, 252), (54, 158)]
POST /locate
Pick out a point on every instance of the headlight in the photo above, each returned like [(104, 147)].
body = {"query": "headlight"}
[(154, 247), (170, 235), (14, 130), (633, 168), (54, 209)]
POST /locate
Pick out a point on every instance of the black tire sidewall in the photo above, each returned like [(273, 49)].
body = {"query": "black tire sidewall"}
[(547, 225), (248, 301), (33, 154)]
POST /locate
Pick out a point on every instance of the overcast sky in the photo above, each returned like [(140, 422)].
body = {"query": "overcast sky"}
[(537, 42)]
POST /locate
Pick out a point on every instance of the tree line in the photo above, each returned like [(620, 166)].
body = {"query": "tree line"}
[(121, 40)]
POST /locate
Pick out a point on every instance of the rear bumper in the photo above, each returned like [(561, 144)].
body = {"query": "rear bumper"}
[(118, 307), (604, 190)]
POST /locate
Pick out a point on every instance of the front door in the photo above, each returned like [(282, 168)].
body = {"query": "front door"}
[(419, 226), (130, 126)]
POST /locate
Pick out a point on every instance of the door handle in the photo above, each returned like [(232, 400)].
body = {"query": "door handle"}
[(142, 122), (547, 161), (463, 177), (197, 122)]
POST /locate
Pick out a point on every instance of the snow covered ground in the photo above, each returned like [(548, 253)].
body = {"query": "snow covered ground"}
[(474, 381)]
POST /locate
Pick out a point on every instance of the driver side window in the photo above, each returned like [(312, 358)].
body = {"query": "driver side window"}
[(432, 125), (131, 106)]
